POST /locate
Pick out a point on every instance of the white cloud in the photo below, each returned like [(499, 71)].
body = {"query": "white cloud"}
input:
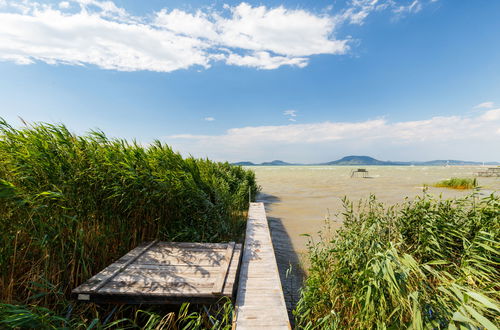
[(64, 4), (485, 105), (471, 138), (209, 118), (279, 30), (82, 32), (491, 115), (85, 38), (264, 60), (413, 7), (198, 25), (361, 9), (291, 114)]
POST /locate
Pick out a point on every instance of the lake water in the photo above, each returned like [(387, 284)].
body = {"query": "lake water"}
[(300, 197)]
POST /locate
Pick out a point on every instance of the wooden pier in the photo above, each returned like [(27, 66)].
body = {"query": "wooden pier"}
[(492, 171), (166, 273), (362, 171), (259, 299)]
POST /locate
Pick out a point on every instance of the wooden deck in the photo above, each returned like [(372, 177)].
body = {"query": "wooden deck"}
[(259, 300), (363, 171), (490, 172), (166, 273)]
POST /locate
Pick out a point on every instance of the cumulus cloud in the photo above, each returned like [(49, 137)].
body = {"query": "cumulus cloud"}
[(436, 137), (95, 32)]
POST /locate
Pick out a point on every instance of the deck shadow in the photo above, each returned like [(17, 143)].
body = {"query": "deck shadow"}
[(289, 265)]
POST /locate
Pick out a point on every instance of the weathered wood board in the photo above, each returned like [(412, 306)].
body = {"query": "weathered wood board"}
[(259, 301), (166, 273)]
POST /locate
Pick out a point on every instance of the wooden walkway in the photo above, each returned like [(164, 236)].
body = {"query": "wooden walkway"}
[(166, 273), (259, 300)]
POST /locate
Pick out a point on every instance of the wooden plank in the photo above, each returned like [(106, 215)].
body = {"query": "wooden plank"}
[(172, 299), (164, 276), (259, 302), (188, 245), (186, 251), (181, 280), (165, 258), (122, 267), (96, 279), (224, 267), (165, 288)]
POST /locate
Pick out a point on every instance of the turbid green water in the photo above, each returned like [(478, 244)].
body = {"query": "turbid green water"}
[(299, 198)]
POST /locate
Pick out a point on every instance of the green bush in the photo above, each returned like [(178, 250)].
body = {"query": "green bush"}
[(428, 264)]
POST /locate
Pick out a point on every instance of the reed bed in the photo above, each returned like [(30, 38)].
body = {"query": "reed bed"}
[(426, 264), (458, 183), (70, 205)]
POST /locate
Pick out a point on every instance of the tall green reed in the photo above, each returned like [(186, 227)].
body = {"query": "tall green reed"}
[(70, 205), (457, 183), (427, 264)]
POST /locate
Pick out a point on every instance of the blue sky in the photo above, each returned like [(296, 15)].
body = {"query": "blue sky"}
[(400, 80)]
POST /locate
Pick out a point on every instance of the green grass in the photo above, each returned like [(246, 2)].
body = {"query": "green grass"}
[(70, 205), (458, 183), (427, 264)]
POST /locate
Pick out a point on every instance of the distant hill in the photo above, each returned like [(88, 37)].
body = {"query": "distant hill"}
[(367, 161), (362, 160), (272, 163), (244, 164), (453, 162), (276, 163)]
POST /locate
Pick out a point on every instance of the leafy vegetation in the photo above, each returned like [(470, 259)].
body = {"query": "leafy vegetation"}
[(458, 183), (218, 317), (70, 205), (427, 264)]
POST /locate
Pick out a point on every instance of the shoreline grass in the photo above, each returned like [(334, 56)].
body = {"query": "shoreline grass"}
[(458, 183), (70, 205), (426, 264)]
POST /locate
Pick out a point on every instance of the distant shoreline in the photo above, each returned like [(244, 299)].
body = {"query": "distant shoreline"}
[(370, 161), (315, 165)]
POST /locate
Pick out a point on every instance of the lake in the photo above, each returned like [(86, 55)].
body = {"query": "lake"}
[(301, 197)]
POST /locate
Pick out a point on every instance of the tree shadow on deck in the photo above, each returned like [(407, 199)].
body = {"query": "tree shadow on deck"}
[(289, 265)]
